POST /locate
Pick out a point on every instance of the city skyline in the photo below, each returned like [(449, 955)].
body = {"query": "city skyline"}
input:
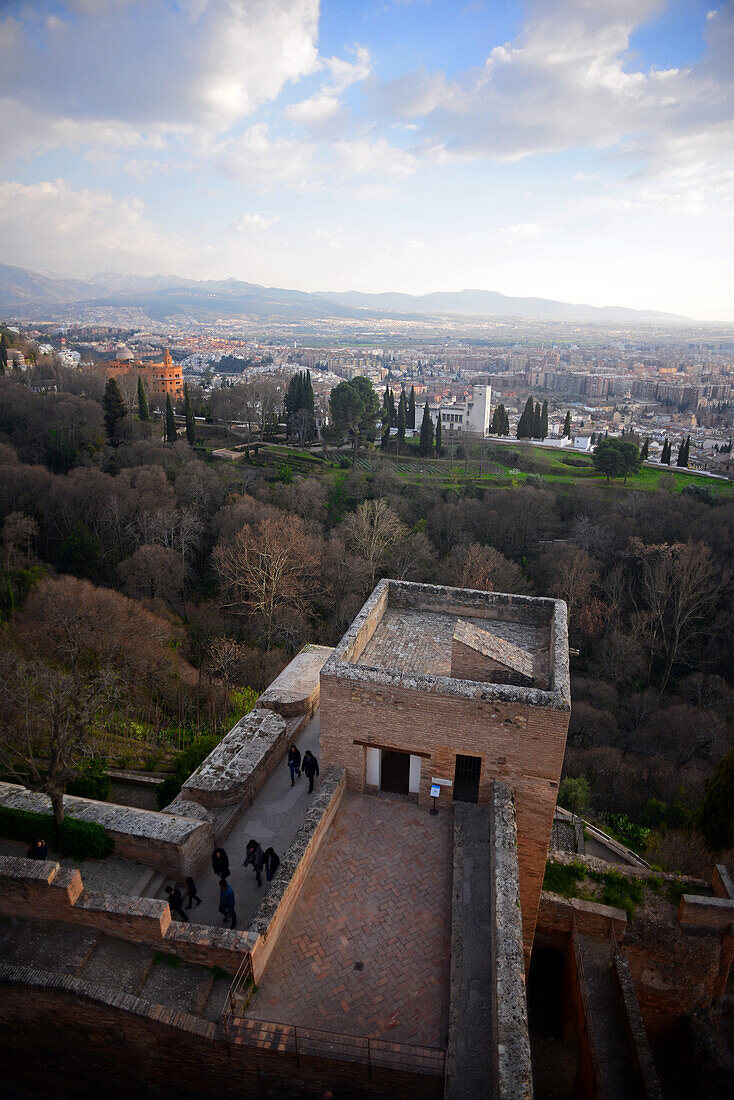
[(561, 149)]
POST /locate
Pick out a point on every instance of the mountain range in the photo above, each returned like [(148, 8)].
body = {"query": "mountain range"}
[(29, 294)]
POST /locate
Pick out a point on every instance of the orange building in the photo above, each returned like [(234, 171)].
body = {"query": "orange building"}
[(161, 379)]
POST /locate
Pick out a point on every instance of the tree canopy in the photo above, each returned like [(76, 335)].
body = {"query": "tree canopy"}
[(617, 458), (355, 410)]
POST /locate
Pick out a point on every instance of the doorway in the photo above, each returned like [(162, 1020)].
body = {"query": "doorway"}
[(466, 778), (395, 775)]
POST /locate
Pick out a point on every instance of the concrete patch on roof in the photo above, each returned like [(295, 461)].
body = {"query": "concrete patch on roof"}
[(499, 652)]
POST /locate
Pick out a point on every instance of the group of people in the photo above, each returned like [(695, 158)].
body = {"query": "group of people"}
[(309, 767), (267, 860)]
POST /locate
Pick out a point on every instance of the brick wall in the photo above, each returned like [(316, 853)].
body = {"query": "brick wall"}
[(519, 744), (61, 1036), (273, 912), (47, 891)]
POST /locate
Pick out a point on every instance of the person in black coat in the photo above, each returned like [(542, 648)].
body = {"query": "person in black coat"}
[(294, 763), (256, 857), (37, 850), (272, 863), (220, 863), (310, 768), (191, 892), (175, 901)]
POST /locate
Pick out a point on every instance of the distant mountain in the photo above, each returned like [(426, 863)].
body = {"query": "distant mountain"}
[(489, 303), (30, 294)]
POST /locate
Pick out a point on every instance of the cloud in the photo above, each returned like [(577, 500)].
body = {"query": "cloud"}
[(568, 81), (525, 229), (92, 226), (252, 222), (209, 65)]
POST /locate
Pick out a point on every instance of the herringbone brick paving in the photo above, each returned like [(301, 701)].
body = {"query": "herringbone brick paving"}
[(380, 894)]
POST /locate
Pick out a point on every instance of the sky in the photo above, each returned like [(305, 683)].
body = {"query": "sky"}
[(581, 150)]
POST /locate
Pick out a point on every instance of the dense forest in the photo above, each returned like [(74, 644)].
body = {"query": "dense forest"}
[(147, 591)]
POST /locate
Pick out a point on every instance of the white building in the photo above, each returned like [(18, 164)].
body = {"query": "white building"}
[(463, 416)]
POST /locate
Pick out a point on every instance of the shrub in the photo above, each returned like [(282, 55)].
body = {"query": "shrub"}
[(715, 817), (628, 832), (619, 891), (77, 839), (92, 781), (561, 878), (573, 794)]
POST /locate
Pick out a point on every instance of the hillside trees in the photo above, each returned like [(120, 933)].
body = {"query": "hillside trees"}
[(426, 439), (299, 407), (617, 458), (525, 423)]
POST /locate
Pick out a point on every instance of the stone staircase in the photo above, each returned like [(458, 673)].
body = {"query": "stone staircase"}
[(113, 964), (607, 1024)]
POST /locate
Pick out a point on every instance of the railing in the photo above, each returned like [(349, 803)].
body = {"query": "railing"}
[(241, 978), (313, 1043), (588, 1022)]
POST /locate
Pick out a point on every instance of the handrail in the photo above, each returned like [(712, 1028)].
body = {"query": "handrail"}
[(337, 1046)]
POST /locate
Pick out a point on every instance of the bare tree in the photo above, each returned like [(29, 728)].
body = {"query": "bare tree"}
[(486, 569), (267, 567), (48, 719), (371, 532), (676, 588)]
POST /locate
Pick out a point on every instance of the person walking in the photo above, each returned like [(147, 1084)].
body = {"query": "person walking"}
[(191, 892), (272, 863), (256, 857), (310, 768), (175, 902), (294, 763), (226, 902), (220, 863)]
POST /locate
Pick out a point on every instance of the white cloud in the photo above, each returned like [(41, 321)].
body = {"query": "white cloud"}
[(84, 228), (525, 229), (252, 222)]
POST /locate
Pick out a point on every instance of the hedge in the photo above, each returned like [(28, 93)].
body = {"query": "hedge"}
[(77, 839), (91, 781)]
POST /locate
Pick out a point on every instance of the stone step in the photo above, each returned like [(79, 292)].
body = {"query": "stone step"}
[(149, 884)]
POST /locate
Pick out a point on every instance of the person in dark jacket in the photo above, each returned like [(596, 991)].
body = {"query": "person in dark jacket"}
[(294, 763), (226, 902), (191, 892), (175, 901), (37, 850), (220, 863), (256, 857), (272, 863), (310, 768)]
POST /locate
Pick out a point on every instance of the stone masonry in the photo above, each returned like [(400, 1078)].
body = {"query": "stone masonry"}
[(518, 733)]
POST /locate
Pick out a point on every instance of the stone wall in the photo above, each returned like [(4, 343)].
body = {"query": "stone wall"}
[(296, 690), (173, 844), (644, 1066), (518, 744), (556, 917), (236, 769), (513, 1071), (272, 914), (63, 1037), (49, 892)]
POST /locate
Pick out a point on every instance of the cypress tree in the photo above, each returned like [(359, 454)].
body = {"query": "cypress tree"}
[(506, 418), (170, 423), (439, 447), (143, 410), (401, 420), (391, 408), (544, 421), (190, 427), (3, 352), (567, 424), (525, 423), (115, 411), (681, 459), (411, 409), (688, 449), (536, 421), (645, 450), (426, 444)]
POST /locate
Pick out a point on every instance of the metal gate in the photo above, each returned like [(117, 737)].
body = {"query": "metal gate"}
[(466, 778)]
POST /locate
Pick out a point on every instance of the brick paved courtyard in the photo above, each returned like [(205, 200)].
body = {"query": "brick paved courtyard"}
[(379, 894)]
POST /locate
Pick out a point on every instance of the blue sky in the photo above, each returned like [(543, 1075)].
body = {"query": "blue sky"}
[(573, 149)]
